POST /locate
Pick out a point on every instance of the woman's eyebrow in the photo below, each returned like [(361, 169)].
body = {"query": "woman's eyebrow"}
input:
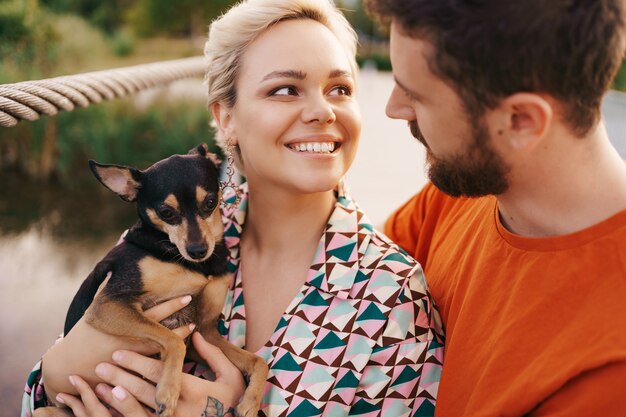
[(295, 74), (339, 73)]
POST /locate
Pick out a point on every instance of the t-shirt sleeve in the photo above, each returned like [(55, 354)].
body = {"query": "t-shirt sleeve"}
[(413, 224), (598, 392)]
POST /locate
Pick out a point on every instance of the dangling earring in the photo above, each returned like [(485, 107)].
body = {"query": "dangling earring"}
[(230, 173)]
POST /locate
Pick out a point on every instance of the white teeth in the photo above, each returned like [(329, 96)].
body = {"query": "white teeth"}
[(314, 147)]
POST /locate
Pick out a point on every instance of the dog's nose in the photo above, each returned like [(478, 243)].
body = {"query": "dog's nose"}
[(197, 250)]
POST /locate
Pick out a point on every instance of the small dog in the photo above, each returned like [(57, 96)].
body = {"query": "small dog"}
[(174, 249)]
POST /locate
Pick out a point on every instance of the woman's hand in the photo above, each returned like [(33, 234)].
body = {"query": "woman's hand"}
[(88, 403), (130, 394), (84, 347)]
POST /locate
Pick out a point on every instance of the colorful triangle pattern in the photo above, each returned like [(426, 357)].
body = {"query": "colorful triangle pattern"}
[(361, 338)]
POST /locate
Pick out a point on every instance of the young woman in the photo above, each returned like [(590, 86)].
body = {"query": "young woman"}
[(342, 317)]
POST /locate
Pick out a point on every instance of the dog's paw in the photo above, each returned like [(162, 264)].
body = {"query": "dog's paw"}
[(166, 404), (248, 408)]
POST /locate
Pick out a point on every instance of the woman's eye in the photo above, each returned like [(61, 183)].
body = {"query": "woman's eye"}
[(341, 90), (284, 91)]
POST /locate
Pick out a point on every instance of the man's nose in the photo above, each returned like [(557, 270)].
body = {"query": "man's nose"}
[(399, 106)]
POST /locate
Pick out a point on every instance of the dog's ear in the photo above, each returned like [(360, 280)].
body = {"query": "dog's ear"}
[(203, 150), (214, 158), (123, 181)]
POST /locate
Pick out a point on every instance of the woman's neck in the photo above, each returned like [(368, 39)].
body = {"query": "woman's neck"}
[(280, 221)]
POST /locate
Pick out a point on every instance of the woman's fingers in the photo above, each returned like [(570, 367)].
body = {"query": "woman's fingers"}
[(121, 400), (149, 368), (184, 331), (141, 389), (88, 405), (167, 308), (74, 403), (217, 361)]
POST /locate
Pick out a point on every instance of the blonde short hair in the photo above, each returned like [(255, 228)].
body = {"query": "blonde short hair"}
[(231, 33)]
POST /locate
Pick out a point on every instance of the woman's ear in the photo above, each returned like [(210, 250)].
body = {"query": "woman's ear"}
[(223, 119), (528, 117)]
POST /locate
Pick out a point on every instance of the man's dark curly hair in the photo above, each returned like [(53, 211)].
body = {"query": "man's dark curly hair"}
[(489, 49)]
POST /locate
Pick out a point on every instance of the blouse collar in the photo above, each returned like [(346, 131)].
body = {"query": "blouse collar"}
[(336, 264)]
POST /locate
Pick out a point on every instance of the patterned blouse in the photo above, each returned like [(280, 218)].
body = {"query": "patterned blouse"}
[(361, 337)]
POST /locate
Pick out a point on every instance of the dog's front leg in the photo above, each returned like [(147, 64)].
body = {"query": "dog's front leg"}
[(210, 306), (124, 320)]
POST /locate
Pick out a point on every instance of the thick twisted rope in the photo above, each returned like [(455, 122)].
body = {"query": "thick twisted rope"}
[(28, 100)]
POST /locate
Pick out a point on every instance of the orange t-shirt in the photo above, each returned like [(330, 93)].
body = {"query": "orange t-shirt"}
[(534, 326)]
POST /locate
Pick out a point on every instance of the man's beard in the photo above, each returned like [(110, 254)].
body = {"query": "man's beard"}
[(477, 172)]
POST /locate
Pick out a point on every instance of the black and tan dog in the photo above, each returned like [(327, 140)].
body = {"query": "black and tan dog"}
[(173, 250)]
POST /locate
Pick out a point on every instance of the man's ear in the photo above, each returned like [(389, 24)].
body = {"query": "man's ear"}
[(123, 181), (222, 116), (524, 120)]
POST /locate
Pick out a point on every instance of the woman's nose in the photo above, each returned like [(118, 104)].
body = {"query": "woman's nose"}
[(318, 110)]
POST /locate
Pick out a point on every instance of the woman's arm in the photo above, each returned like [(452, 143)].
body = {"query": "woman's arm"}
[(80, 351), (403, 372), (131, 394)]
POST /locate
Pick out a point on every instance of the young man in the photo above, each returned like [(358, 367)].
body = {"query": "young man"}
[(522, 233)]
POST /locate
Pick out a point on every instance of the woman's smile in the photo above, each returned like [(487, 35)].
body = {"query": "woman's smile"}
[(316, 146)]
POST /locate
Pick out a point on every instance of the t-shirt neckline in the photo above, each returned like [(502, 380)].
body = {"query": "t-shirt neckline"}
[(561, 242)]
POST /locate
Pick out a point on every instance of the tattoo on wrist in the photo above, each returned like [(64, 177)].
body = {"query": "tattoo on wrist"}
[(215, 408)]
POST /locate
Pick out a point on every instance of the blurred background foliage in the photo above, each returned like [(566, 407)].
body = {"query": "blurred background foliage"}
[(46, 38)]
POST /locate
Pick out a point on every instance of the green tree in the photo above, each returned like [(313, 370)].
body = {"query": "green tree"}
[(182, 17), (28, 42), (107, 15), (620, 80)]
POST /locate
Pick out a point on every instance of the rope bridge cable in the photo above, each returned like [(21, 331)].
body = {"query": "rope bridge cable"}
[(28, 100)]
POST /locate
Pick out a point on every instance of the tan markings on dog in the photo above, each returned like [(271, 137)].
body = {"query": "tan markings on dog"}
[(172, 201), (210, 306), (212, 300), (200, 194), (130, 323), (176, 233), (166, 280), (155, 219), (211, 228)]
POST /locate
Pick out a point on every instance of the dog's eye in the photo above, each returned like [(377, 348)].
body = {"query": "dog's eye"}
[(166, 213), (209, 204)]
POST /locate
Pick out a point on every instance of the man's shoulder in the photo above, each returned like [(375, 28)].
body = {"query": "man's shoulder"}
[(434, 206)]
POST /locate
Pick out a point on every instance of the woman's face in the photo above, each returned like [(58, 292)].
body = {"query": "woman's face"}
[(296, 119)]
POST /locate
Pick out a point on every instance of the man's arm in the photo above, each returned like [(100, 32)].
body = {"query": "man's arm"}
[(598, 392)]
